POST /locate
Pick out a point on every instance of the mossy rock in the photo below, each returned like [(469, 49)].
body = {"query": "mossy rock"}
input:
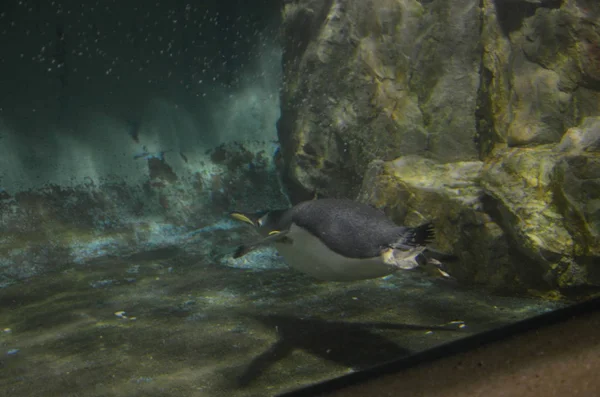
[(413, 189), (526, 219)]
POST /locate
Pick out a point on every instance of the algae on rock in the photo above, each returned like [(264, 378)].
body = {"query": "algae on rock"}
[(375, 79), (541, 75)]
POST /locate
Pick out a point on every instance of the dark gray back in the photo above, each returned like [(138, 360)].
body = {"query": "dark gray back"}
[(347, 227)]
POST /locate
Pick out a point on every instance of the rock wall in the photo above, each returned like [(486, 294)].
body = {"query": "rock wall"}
[(375, 80), (482, 115)]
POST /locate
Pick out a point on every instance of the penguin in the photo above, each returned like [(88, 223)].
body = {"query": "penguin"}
[(338, 239)]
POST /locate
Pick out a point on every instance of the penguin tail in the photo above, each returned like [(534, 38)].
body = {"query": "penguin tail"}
[(418, 236)]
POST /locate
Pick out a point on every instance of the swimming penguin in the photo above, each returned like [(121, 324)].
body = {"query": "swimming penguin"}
[(338, 239)]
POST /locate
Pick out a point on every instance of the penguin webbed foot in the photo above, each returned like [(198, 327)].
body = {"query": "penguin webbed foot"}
[(433, 264), (405, 260)]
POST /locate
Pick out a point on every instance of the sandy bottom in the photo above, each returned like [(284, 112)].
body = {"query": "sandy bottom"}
[(174, 323)]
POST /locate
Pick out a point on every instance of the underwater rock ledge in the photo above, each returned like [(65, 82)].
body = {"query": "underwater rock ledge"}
[(524, 218)]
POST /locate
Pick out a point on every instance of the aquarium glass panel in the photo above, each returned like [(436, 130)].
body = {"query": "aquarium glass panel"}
[(244, 198)]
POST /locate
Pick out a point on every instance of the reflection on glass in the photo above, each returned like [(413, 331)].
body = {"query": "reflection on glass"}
[(150, 154)]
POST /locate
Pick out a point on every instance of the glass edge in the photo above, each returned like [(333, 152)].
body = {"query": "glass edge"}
[(462, 345)]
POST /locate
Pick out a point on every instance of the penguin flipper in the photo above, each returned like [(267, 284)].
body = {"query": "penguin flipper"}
[(273, 236), (242, 250)]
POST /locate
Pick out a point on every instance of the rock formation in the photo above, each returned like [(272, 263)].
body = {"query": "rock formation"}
[(482, 115)]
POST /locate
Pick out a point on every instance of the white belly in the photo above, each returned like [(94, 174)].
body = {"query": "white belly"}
[(309, 255)]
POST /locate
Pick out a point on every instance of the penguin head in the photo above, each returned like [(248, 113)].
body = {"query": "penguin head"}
[(265, 222)]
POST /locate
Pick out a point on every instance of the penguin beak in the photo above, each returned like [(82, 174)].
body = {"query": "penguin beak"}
[(241, 217)]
